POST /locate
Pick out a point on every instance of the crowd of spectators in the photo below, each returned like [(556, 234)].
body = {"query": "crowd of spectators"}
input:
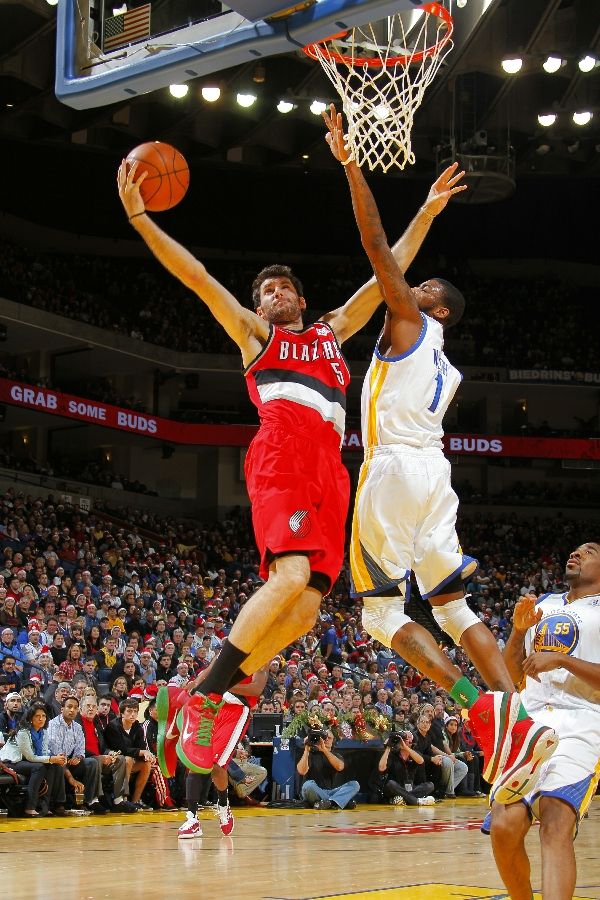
[(107, 612), (138, 298), (531, 493)]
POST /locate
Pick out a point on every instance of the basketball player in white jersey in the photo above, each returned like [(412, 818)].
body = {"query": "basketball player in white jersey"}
[(555, 647), (405, 509)]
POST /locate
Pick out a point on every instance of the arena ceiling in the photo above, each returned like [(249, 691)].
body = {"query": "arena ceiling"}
[(471, 98)]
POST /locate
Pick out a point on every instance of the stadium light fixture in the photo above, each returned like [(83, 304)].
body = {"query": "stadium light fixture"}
[(317, 107), (587, 62), (284, 106), (546, 119), (211, 93), (178, 90), (552, 63), (582, 117), (512, 64), (246, 100)]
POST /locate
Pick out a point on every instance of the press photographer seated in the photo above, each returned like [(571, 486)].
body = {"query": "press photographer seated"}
[(400, 774), (323, 786)]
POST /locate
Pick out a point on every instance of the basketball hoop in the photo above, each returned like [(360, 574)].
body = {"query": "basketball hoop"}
[(381, 71)]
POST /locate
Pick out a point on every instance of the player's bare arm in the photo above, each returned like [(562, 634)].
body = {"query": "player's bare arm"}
[(357, 311), (243, 326), (525, 616)]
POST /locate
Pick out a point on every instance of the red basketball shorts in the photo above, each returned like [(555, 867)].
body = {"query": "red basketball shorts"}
[(231, 724), (300, 493)]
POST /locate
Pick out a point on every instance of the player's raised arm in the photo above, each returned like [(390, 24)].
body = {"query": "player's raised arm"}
[(242, 325)]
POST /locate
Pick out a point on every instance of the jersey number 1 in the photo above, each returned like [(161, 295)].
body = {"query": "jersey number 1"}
[(439, 384)]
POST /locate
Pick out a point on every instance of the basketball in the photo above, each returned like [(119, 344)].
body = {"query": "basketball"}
[(168, 174)]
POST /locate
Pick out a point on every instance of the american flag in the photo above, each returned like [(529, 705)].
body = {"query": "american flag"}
[(133, 25)]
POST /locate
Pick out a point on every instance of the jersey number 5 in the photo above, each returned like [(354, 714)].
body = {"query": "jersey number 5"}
[(338, 372), (439, 384)]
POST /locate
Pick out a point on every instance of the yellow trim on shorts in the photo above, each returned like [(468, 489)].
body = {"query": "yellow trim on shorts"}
[(590, 791), (360, 574)]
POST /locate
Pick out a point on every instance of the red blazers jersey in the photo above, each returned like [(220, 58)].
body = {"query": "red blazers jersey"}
[(299, 382)]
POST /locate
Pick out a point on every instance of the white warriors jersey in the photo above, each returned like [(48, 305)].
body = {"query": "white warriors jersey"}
[(572, 629), (405, 398)]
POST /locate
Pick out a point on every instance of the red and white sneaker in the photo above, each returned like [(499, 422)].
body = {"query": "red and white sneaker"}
[(194, 747), (225, 819), (531, 745), (492, 718), (169, 701), (191, 828)]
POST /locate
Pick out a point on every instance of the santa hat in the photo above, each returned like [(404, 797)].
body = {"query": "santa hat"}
[(33, 626), (392, 667), (295, 654), (150, 691), (45, 649), (311, 678), (323, 669), (35, 677), (323, 700), (339, 685), (136, 694)]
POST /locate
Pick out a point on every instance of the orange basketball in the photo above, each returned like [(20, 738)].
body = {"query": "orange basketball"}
[(168, 174)]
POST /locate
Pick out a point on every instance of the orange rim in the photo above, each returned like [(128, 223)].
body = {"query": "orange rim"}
[(434, 9)]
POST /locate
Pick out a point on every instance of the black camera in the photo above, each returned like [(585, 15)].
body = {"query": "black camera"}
[(395, 739), (315, 736)]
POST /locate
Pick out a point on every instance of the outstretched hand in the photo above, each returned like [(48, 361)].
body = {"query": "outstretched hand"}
[(525, 615), (443, 188), (335, 136), (129, 188)]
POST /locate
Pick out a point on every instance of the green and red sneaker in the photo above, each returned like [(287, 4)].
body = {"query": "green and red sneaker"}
[(492, 718), (194, 747), (169, 701), (531, 745)]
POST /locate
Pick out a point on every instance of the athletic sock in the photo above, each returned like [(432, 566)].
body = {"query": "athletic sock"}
[(226, 665), (465, 693), (222, 798)]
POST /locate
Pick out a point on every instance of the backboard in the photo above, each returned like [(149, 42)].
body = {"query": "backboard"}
[(140, 51)]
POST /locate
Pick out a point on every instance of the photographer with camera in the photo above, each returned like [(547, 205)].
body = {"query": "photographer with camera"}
[(400, 775), (322, 786)]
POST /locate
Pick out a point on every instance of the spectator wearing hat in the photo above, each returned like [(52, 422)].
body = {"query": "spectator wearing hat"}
[(13, 710), (32, 650)]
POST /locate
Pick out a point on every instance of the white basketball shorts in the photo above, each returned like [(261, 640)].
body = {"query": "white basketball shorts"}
[(405, 518), (572, 772)]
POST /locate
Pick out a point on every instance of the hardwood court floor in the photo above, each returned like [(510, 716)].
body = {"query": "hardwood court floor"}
[(371, 853)]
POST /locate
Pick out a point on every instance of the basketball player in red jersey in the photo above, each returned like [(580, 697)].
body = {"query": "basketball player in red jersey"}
[(231, 724), (298, 487)]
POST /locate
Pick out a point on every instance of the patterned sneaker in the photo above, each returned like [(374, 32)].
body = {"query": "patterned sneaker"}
[(492, 718), (169, 700), (426, 801), (194, 747), (225, 819), (397, 801), (191, 828), (531, 745)]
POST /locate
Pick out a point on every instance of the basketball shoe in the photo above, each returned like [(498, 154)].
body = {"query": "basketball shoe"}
[(225, 819), (191, 828), (531, 745), (169, 700), (492, 718), (194, 747)]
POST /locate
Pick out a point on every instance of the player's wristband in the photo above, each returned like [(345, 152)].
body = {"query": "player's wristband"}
[(135, 215)]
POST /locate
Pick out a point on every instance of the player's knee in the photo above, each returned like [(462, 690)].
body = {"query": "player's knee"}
[(292, 574), (454, 618)]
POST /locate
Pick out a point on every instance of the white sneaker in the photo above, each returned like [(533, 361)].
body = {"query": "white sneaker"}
[(426, 801), (225, 819), (191, 828), (397, 801)]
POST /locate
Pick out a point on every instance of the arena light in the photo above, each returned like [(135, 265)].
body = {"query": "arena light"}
[(552, 64), (583, 117), (178, 90), (284, 106), (317, 107), (512, 64), (587, 62), (52, 2), (246, 100), (211, 93), (546, 119)]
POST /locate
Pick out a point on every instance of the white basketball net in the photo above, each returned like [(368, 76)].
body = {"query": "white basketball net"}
[(380, 96)]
